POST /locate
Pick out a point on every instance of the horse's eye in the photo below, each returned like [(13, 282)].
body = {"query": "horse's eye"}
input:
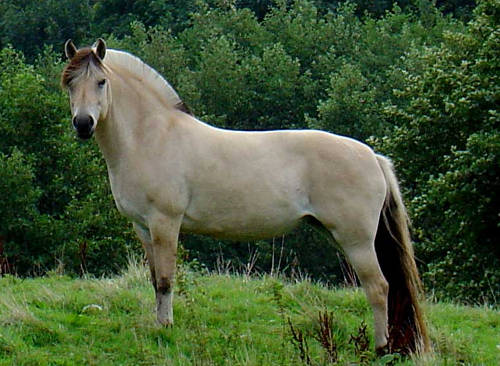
[(101, 83)]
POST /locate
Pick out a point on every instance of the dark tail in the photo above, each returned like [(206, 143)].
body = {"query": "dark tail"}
[(407, 329)]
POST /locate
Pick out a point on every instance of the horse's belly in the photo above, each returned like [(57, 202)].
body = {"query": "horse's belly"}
[(237, 230), (243, 222)]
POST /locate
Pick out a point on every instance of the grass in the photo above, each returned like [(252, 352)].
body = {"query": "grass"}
[(219, 320)]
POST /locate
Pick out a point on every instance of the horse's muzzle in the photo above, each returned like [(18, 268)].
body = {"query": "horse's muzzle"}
[(84, 126)]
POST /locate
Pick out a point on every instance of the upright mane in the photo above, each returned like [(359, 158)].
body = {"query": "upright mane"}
[(85, 59), (136, 66)]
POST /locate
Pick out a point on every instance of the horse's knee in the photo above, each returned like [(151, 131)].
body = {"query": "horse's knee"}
[(164, 285), (164, 297), (377, 291)]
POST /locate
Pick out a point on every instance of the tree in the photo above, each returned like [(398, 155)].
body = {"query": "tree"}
[(445, 144), (29, 24)]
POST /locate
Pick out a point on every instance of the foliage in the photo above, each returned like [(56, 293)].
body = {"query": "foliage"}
[(17, 210), (466, 228), (445, 144), (352, 108), (53, 189), (115, 16), (29, 24), (421, 86)]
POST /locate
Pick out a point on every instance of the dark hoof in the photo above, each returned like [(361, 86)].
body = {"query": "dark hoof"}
[(382, 351)]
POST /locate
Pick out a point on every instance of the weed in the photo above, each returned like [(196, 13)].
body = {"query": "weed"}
[(361, 344), (277, 290), (278, 296), (300, 343), (5, 266), (324, 335), (223, 266), (82, 255), (182, 280), (350, 278), (275, 269)]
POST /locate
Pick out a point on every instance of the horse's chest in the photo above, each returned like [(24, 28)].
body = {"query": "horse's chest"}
[(129, 201), (129, 209)]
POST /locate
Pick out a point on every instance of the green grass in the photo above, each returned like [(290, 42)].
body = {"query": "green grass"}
[(219, 320)]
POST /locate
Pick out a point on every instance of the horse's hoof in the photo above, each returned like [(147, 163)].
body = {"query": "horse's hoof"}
[(167, 323), (382, 351)]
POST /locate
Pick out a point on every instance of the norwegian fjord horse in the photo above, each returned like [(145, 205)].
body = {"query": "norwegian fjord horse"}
[(170, 172)]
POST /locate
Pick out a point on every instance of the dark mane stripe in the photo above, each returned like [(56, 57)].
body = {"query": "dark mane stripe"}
[(82, 60), (183, 108)]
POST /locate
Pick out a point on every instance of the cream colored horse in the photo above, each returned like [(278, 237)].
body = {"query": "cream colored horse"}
[(170, 172)]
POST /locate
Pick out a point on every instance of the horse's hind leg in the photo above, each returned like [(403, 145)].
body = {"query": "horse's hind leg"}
[(363, 258), (357, 242)]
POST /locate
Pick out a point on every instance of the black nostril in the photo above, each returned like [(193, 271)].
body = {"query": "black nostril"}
[(83, 122), (83, 126)]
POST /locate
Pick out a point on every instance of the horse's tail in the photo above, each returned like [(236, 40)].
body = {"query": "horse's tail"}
[(407, 330)]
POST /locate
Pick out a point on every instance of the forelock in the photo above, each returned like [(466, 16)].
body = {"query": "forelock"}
[(81, 62)]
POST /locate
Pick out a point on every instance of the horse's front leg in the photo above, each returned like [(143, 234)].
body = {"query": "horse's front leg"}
[(164, 234), (144, 236)]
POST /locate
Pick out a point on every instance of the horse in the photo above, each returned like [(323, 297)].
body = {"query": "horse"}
[(170, 172)]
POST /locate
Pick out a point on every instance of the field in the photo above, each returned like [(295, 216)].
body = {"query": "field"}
[(221, 319)]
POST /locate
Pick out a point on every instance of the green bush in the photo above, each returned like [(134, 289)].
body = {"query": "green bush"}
[(459, 215), (54, 188), (445, 145), (17, 206), (352, 108)]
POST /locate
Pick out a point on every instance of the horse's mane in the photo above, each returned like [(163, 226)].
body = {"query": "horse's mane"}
[(134, 65), (86, 58)]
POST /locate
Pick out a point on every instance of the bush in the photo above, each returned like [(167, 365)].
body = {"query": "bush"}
[(54, 190), (17, 207), (445, 145), (460, 213)]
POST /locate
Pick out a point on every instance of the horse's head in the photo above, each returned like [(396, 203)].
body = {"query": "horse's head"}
[(85, 79)]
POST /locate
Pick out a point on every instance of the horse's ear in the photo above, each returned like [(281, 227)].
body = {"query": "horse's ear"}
[(69, 49), (100, 48)]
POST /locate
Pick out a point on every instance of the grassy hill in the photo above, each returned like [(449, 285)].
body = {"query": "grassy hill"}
[(220, 319)]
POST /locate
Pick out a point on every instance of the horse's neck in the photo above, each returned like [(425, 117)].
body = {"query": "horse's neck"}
[(110, 139), (123, 130)]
